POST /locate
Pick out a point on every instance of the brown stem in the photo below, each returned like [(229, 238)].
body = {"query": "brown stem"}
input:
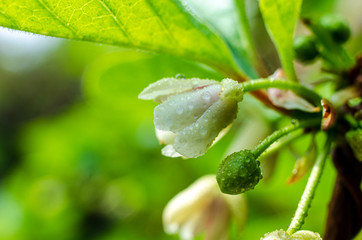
[(345, 208)]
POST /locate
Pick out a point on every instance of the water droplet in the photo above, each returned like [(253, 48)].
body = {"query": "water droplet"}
[(179, 110), (180, 76), (203, 132), (191, 106), (206, 96)]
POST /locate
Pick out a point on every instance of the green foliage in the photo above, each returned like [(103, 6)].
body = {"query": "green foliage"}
[(280, 17), (162, 26), (94, 170), (354, 138), (312, 9)]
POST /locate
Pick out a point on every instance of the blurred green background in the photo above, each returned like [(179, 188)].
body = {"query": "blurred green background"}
[(78, 154)]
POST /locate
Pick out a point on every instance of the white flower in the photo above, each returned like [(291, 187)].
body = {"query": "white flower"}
[(202, 208), (299, 235), (193, 112)]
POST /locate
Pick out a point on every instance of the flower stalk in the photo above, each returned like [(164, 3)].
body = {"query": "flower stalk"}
[(259, 149), (287, 85), (309, 191)]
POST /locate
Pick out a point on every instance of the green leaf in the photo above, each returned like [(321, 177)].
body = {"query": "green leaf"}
[(224, 17), (315, 9), (111, 77), (280, 17), (164, 26)]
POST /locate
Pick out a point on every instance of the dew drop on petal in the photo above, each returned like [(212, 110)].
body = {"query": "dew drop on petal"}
[(179, 110), (191, 106), (167, 122), (203, 132), (206, 96)]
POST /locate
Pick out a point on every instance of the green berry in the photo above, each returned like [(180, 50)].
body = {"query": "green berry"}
[(305, 48), (238, 173), (337, 27)]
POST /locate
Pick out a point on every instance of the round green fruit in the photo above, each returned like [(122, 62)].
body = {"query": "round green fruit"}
[(337, 27), (238, 173), (305, 48)]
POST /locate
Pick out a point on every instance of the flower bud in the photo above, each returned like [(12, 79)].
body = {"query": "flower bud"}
[(239, 172), (202, 208), (337, 27), (300, 235), (192, 113), (305, 49)]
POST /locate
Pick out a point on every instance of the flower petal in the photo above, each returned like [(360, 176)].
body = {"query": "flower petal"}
[(238, 207), (165, 137), (181, 110), (306, 235), (160, 90), (169, 151), (189, 202), (194, 140), (218, 220)]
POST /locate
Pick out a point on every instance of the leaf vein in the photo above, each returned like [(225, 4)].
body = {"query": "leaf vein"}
[(118, 22), (163, 24), (10, 19), (46, 7)]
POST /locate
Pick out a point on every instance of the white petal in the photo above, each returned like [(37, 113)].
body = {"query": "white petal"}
[(163, 88), (276, 235), (194, 141), (171, 228), (165, 137), (305, 234), (180, 111), (169, 151), (191, 227), (191, 201), (218, 220)]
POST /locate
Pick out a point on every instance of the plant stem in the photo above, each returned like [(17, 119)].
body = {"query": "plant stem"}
[(275, 83), (258, 150), (261, 96), (276, 146), (308, 194)]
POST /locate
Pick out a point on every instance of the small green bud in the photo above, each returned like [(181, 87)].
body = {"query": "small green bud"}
[(238, 172), (337, 27), (305, 48)]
